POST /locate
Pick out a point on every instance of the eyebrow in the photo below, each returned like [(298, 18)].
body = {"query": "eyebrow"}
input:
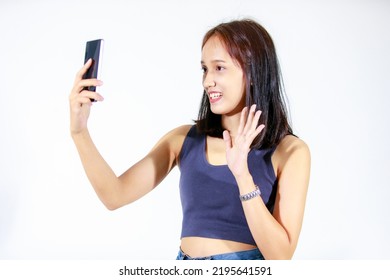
[(214, 60)]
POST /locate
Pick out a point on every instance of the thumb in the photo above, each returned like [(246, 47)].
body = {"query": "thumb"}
[(227, 139)]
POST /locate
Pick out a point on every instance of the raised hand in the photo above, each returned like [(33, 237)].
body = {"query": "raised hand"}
[(80, 99), (238, 145)]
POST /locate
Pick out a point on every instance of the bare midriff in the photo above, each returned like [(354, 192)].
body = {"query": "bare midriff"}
[(203, 247)]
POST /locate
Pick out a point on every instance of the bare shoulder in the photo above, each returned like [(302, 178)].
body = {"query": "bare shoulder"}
[(291, 144), (182, 130), (178, 133), (174, 139), (291, 150)]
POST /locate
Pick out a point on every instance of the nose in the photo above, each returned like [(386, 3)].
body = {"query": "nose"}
[(208, 81)]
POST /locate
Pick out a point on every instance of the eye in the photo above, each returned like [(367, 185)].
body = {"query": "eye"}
[(219, 68), (204, 69)]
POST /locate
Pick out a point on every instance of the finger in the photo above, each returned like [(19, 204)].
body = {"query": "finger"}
[(249, 120), (255, 122), (252, 135), (88, 83), (84, 84), (80, 102), (227, 139), (83, 70), (242, 121), (92, 95), (258, 130), (85, 94)]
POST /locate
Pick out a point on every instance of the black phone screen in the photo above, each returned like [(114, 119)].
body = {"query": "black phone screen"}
[(93, 50)]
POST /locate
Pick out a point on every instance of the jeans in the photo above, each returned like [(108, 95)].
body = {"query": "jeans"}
[(253, 254)]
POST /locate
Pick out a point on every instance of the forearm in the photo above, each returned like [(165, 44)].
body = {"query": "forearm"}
[(101, 176), (270, 236)]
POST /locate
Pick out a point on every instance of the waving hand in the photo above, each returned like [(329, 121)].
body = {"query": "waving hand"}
[(238, 147)]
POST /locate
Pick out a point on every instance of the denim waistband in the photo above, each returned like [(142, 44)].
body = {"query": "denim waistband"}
[(253, 254)]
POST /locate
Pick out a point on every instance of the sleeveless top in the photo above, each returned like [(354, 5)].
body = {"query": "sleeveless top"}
[(209, 193)]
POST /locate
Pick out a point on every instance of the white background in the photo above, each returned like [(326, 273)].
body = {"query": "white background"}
[(335, 62)]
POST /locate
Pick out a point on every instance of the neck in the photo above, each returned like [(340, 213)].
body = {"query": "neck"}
[(231, 123)]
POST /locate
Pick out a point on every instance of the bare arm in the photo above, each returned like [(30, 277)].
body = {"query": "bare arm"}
[(139, 179), (152, 169), (275, 234)]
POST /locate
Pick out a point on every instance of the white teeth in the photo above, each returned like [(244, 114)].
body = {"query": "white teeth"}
[(215, 95)]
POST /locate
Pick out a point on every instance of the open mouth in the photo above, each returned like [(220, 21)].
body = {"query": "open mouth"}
[(215, 95)]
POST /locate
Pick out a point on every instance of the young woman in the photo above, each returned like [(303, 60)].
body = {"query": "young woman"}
[(244, 175)]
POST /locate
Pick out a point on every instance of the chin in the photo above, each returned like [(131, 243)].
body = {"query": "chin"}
[(218, 110), (224, 110)]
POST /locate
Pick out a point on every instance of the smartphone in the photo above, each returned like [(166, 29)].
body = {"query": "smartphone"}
[(94, 50)]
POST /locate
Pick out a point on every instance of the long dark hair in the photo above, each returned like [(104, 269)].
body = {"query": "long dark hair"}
[(252, 47)]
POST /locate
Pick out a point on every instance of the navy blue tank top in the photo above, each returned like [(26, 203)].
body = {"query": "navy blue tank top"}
[(210, 196)]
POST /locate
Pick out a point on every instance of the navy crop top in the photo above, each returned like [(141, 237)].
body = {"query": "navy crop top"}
[(210, 196)]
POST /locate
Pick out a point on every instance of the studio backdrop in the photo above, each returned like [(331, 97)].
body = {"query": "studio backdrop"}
[(334, 57)]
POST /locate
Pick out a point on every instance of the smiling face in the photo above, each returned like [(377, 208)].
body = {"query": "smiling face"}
[(223, 79)]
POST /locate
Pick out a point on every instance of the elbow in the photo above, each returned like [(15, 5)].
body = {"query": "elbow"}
[(111, 204), (280, 253), (114, 197), (280, 257), (111, 199), (284, 257), (288, 253), (111, 207)]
